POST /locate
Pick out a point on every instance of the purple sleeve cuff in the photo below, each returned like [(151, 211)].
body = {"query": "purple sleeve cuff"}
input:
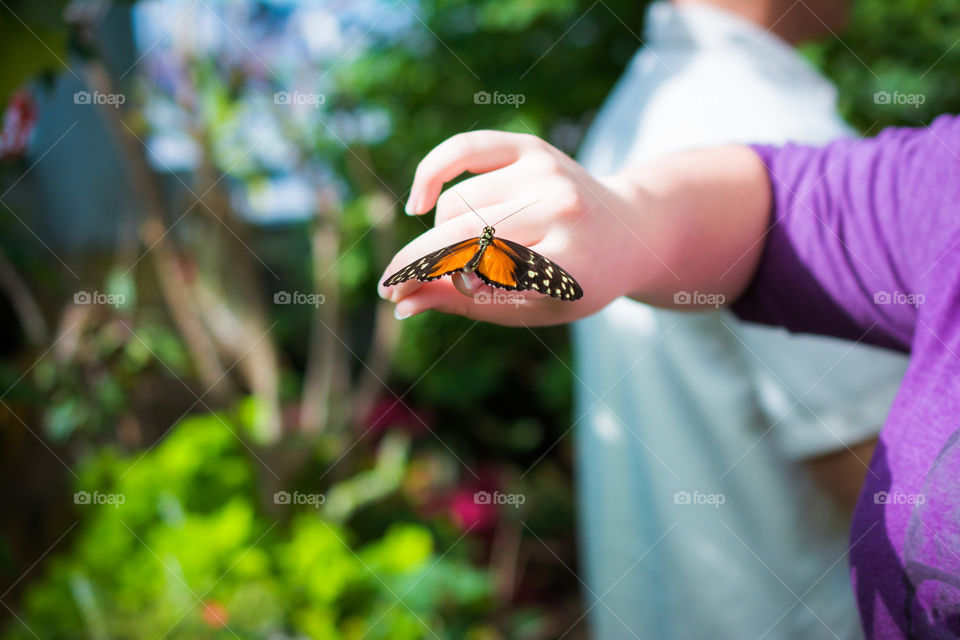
[(808, 279)]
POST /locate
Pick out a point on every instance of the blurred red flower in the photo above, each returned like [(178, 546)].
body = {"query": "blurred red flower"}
[(19, 120), (471, 505), (470, 511), (214, 614)]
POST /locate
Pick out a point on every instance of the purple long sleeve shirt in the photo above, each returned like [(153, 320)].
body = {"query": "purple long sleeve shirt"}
[(864, 243)]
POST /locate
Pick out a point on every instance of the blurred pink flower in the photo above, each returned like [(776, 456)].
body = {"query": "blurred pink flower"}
[(470, 505), (470, 512)]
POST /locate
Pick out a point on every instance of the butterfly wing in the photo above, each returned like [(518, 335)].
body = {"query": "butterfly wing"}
[(437, 264), (509, 265)]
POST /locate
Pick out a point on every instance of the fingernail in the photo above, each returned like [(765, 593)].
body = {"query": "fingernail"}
[(399, 315), (471, 281), (411, 207)]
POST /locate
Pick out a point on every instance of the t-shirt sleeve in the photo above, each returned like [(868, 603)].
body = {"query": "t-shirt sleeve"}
[(856, 231)]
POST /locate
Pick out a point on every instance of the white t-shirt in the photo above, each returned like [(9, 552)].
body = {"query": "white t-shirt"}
[(696, 520)]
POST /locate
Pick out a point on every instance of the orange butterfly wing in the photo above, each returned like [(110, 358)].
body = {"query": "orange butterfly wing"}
[(504, 264), (498, 266), (509, 265), (437, 264)]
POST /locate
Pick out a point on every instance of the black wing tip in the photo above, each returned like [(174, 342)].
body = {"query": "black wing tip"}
[(390, 282), (573, 297), (576, 295), (577, 289), (393, 281)]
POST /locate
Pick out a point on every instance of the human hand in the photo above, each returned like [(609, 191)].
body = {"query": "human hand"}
[(585, 225)]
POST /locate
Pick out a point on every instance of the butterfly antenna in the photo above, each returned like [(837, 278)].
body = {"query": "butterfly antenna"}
[(517, 211), (472, 209)]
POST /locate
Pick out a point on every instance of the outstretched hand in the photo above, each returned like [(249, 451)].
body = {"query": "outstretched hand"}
[(583, 224)]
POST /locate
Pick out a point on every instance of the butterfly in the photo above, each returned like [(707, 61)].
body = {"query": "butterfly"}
[(496, 261)]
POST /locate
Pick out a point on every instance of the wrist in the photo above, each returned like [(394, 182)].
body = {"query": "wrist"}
[(645, 226), (701, 217)]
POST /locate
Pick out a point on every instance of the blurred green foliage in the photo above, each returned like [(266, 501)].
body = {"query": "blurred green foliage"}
[(177, 543), (34, 42), (911, 47), (90, 390)]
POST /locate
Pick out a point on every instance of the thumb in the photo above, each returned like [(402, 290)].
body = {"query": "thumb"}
[(467, 283)]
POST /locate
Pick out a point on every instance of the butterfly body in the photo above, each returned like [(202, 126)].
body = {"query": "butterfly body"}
[(484, 241), (497, 262)]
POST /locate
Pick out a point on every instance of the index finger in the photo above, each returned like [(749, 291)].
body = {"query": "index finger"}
[(474, 151)]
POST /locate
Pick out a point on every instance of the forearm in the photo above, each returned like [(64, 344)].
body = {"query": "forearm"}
[(700, 222), (847, 240)]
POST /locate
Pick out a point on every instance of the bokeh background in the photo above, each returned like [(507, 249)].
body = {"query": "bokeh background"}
[(209, 424)]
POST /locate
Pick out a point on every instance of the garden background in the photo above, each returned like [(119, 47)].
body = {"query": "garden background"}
[(210, 426)]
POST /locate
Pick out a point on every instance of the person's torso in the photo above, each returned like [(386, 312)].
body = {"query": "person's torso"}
[(674, 460)]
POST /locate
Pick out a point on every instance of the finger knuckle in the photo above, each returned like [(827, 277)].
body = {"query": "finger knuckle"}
[(465, 142), (569, 198), (464, 307), (536, 142), (445, 202), (546, 163)]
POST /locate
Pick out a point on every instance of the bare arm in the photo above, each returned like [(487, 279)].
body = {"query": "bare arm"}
[(692, 222)]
